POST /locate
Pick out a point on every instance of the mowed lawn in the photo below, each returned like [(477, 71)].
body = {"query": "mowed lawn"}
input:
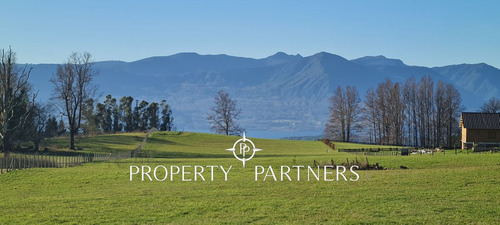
[(438, 189)]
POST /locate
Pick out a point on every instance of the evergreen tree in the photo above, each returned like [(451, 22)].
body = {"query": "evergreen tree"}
[(91, 122), (166, 117), (115, 112), (153, 115), (61, 128), (51, 127), (143, 115), (127, 116), (107, 122)]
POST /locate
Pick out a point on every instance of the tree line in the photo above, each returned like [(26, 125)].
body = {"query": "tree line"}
[(111, 115), (412, 113)]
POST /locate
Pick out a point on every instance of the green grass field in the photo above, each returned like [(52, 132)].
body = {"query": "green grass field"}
[(438, 189), (100, 143)]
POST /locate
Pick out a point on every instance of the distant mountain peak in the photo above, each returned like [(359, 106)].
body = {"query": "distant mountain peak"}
[(379, 60), (186, 53), (323, 54), (281, 57), (469, 66), (326, 57), (280, 54)]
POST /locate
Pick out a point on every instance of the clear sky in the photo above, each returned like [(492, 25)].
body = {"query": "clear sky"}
[(428, 33)]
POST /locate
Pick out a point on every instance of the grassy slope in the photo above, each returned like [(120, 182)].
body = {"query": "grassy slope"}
[(436, 189), (99, 143)]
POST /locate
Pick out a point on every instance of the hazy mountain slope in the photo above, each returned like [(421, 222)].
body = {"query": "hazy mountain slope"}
[(278, 93), (481, 80)]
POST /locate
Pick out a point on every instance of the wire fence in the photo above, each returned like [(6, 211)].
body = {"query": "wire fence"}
[(61, 160), (368, 149), (381, 153), (374, 151)]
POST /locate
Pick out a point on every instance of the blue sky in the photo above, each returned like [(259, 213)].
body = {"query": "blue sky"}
[(428, 33)]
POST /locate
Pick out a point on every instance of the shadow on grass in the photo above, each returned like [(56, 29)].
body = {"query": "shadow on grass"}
[(157, 141)]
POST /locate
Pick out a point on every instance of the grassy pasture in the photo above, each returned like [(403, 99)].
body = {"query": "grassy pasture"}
[(438, 189), (99, 143)]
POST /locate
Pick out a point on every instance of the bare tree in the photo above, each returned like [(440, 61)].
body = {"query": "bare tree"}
[(426, 110), (453, 102), (410, 99), (73, 86), (441, 107), (388, 102), (353, 110), (336, 125), (15, 103), (344, 113), (383, 105), (398, 115), (223, 115), (491, 106), (372, 114), (420, 114)]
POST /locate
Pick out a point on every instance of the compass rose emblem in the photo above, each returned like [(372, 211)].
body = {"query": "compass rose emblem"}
[(244, 149)]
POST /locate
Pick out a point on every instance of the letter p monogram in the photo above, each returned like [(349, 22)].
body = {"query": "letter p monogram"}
[(244, 149)]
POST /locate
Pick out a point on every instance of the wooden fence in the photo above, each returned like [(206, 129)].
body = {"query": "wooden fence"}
[(381, 153), (22, 161), (369, 150), (373, 151), (62, 159)]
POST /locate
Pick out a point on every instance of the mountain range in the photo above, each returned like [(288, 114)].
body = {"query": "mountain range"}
[(280, 94)]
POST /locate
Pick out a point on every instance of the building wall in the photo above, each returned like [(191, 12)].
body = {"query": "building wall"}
[(479, 135)]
